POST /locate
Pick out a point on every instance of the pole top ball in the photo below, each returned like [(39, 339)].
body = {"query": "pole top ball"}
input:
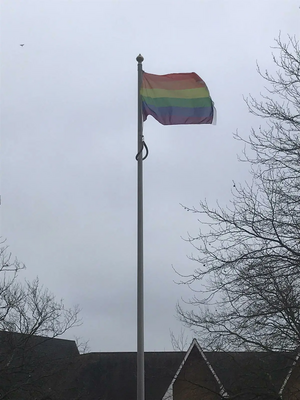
[(140, 58)]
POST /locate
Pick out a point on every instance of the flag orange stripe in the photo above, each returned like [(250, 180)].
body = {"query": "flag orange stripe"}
[(172, 81)]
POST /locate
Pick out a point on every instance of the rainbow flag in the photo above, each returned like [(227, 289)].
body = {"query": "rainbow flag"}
[(175, 99)]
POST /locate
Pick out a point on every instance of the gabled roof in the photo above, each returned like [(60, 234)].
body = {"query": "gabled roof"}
[(195, 345), (290, 372), (243, 375)]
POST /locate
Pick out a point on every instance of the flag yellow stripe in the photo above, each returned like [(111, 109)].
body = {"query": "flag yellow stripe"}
[(178, 94)]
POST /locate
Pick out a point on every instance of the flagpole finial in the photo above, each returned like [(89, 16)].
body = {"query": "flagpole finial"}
[(140, 59)]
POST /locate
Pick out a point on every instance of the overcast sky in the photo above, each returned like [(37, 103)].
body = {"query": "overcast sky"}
[(68, 145)]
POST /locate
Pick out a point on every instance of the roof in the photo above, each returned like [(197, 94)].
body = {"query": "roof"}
[(251, 373), (111, 375), (52, 348), (26, 361)]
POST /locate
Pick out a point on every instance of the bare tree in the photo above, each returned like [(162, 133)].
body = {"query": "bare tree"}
[(82, 345), (27, 307), (9, 269), (30, 317), (34, 310), (247, 279), (179, 342)]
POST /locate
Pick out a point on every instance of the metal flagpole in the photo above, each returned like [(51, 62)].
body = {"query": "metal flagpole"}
[(140, 267)]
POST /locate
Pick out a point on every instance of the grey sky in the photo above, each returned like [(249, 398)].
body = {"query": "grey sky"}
[(68, 145)]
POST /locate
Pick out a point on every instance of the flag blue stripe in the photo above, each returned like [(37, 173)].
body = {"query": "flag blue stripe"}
[(179, 115)]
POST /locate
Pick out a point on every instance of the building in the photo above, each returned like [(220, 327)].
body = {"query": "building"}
[(39, 368)]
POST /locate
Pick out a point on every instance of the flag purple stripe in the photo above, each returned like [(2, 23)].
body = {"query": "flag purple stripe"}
[(179, 115)]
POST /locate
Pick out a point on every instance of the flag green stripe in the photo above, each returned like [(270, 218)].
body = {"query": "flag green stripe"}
[(173, 102), (180, 94)]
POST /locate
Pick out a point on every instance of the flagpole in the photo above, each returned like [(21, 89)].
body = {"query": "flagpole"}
[(140, 258)]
